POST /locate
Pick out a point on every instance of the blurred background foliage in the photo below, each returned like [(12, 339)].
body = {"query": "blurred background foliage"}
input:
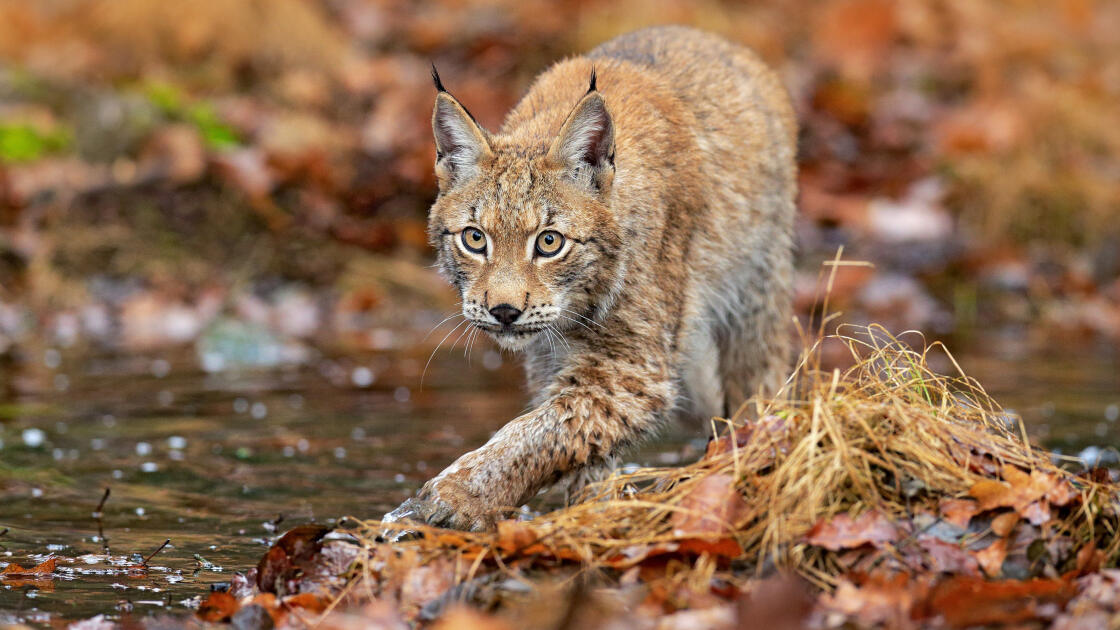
[(166, 165)]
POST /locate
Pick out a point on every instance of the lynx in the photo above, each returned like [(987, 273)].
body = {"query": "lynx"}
[(629, 229)]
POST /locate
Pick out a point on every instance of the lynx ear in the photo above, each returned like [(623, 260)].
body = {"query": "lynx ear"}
[(461, 144), (585, 146)]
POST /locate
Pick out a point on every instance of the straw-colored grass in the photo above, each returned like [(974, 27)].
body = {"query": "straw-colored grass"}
[(888, 434)]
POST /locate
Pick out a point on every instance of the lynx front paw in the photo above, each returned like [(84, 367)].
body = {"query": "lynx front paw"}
[(441, 505)]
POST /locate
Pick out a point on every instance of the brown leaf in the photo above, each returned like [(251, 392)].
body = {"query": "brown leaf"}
[(958, 511), (16, 571), (308, 601), (461, 617), (966, 601), (991, 557), (879, 601), (219, 606), (289, 556), (844, 532), (515, 536), (944, 557), (1004, 523), (1028, 494), (726, 547), (714, 506)]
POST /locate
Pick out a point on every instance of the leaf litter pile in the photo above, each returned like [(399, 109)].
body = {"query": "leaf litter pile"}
[(884, 495)]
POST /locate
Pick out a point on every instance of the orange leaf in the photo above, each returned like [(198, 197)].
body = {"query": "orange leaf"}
[(14, 570), (844, 532), (958, 511), (714, 506), (991, 557), (515, 536), (726, 547), (219, 606), (1004, 523), (307, 601), (967, 602)]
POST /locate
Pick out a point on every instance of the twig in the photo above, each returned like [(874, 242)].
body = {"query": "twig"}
[(100, 525), (152, 555)]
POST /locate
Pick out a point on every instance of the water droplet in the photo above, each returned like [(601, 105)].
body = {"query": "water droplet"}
[(357, 433), (303, 445), (149, 467), (289, 451), (160, 368), (143, 448), (399, 478), (177, 442), (139, 511), (108, 420), (52, 358), (118, 474), (240, 405), (259, 410), (1112, 412), (362, 376), (402, 394), (33, 437), (339, 453), (36, 493)]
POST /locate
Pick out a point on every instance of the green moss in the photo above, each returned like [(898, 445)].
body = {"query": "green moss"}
[(21, 142)]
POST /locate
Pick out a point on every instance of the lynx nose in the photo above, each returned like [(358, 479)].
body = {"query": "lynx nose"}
[(505, 313)]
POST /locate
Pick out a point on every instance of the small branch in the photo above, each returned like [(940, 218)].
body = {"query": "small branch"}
[(100, 525), (152, 555)]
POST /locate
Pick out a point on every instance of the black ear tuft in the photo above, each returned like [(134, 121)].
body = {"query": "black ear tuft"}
[(591, 88), (435, 79)]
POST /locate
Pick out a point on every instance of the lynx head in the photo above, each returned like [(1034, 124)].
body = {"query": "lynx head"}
[(522, 225)]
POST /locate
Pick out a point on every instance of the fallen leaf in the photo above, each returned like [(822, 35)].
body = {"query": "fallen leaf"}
[(879, 601), (991, 557), (218, 606), (461, 617), (844, 532), (515, 536), (288, 557), (958, 511), (967, 601), (944, 557), (1004, 523), (714, 506), (16, 571)]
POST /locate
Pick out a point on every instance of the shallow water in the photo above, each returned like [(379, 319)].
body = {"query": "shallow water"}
[(213, 461)]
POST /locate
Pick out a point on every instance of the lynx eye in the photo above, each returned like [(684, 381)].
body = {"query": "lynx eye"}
[(549, 243), (474, 240)]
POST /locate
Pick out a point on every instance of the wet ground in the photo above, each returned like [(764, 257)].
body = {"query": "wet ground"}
[(219, 463)]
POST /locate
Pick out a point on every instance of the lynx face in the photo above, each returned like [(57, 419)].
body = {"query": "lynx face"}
[(525, 233)]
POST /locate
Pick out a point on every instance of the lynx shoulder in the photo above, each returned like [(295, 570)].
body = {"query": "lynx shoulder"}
[(629, 230)]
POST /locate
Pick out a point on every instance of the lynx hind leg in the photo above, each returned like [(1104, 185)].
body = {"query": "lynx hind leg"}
[(754, 343)]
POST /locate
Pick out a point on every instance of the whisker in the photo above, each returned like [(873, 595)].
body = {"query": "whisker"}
[(581, 316), (470, 342), (433, 354), (575, 321), (433, 328)]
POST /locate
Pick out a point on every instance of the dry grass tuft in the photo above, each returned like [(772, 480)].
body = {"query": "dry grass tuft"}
[(889, 438)]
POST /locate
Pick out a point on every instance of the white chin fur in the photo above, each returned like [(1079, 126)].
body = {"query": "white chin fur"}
[(514, 343)]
